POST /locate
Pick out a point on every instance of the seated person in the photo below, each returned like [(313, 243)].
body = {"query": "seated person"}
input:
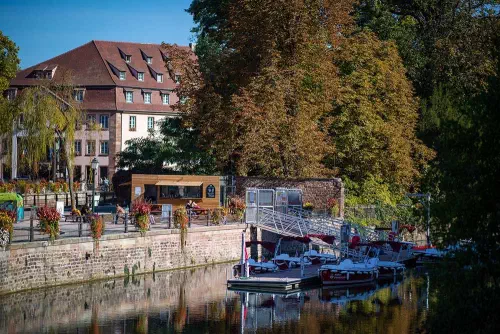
[(120, 213), (189, 205), (85, 210)]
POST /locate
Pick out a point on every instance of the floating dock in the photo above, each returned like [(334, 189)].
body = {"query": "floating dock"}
[(279, 281)]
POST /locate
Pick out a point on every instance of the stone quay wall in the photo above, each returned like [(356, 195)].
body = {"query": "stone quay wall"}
[(314, 190), (40, 264)]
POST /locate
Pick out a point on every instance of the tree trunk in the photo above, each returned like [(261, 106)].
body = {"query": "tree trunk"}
[(69, 165)]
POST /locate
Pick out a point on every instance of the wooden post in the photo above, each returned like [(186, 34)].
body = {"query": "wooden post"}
[(208, 217), (80, 228), (32, 231), (189, 217), (126, 222), (170, 219)]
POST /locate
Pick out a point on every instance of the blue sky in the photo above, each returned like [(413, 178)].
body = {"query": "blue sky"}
[(46, 28)]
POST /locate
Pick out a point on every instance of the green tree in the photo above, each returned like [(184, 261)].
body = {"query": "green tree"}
[(261, 93), (372, 126), (9, 62), (440, 41), (45, 116), (172, 149)]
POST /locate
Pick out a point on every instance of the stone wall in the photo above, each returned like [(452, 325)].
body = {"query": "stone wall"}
[(39, 264), (316, 191)]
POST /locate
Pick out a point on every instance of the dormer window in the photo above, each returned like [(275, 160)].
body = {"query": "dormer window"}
[(159, 77), (147, 97), (177, 78), (44, 71), (128, 58), (78, 94), (140, 76), (149, 60), (122, 75)]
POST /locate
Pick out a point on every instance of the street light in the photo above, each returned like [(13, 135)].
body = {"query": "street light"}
[(94, 164), (428, 207)]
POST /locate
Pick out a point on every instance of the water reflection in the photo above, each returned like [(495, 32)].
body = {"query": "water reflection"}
[(193, 301)]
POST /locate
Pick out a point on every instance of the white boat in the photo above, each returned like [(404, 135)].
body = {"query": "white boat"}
[(285, 261), (317, 258), (429, 255), (348, 272)]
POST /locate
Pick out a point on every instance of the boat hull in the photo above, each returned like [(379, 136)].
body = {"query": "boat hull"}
[(343, 277), (390, 271)]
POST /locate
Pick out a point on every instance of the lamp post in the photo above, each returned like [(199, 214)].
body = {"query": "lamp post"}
[(94, 165)]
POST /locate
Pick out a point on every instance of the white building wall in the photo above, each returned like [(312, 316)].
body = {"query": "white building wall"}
[(141, 129)]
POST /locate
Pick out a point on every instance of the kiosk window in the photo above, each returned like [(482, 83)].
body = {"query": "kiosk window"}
[(180, 192)]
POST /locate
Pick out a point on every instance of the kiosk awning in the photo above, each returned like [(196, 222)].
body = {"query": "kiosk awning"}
[(179, 183)]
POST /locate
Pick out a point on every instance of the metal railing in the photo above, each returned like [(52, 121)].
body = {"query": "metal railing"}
[(28, 230), (290, 225)]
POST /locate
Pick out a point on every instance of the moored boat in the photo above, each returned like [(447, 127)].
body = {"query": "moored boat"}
[(348, 272), (390, 268), (397, 251), (428, 255)]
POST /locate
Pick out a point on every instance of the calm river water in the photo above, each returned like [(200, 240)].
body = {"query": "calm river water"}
[(197, 301)]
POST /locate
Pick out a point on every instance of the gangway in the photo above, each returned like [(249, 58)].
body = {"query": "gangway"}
[(294, 226), (366, 233), (280, 211)]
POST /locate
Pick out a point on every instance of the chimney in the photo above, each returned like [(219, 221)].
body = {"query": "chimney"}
[(192, 46)]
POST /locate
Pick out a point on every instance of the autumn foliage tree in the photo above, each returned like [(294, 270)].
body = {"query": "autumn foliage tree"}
[(374, 119), (275, 91)]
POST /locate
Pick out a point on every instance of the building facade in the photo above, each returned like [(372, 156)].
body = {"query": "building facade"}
[(124, 89)]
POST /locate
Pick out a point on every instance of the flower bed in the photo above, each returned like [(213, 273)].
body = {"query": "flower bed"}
[(38, 187)]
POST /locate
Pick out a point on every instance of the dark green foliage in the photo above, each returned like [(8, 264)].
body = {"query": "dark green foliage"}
[(173, 150), (9, 62)]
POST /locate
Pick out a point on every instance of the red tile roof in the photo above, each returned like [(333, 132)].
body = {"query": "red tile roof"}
[(91, 65)]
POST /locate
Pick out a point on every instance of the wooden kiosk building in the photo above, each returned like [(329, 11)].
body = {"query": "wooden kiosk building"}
[(177, 190)]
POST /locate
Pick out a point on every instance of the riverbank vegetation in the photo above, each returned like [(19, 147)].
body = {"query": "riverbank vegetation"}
[(392, 96)]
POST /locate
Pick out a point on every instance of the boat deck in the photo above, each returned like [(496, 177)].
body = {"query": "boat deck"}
[(282, 280)]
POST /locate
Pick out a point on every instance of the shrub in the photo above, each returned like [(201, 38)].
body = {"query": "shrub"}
[(308, 206), (96, 226), (333, 206), (181, 222), (237, 206), (7, 220), (49, 221), (218, 215), (141, 211)]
